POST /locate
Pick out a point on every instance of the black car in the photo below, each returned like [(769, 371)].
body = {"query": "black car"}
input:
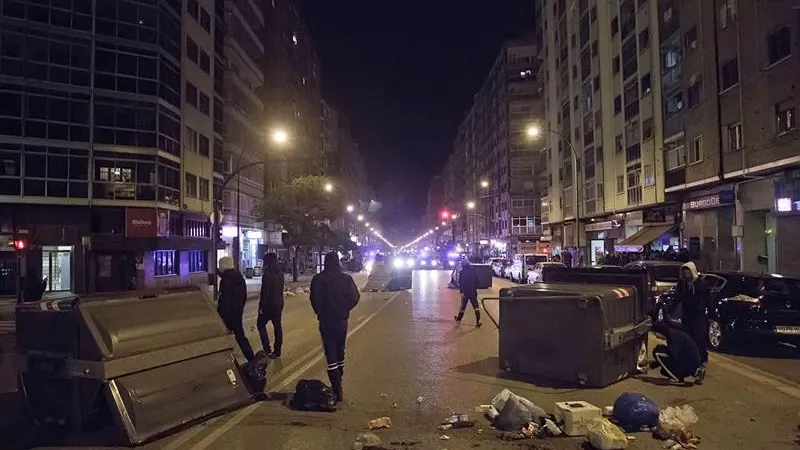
[(745, 305), (663, 275)]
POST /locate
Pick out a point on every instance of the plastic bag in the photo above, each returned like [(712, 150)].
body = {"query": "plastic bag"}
[(632, 411), (677, 423), (513, 416), (313, 395), (604, 435), (537, 414)]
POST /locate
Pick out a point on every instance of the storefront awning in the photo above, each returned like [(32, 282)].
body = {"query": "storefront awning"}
[(637, 242)]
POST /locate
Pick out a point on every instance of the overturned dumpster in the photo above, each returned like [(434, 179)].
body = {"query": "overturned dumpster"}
[(144, 363), (591, 332)]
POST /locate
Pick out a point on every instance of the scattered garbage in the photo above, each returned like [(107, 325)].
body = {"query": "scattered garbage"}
[(608, 411), (551, 429), (604, 435), (313, 395), (380, 422), (384, 395), (446, 427), (632, 411), (366, 440), (458, 421), (500, 400), (444, 437), (420, 399), (532, 430), (576, 416), (677, 423)]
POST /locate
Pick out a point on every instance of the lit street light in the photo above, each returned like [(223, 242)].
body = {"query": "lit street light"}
[(328, 187), (366, 224), (360, 217), (280, 136), (350, 208), (470, 205), (484, 184), (534, 131)]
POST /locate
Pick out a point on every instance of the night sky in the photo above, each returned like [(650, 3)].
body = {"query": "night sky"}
[(404, 72)]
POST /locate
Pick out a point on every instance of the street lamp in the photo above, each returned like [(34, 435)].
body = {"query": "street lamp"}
[(484, 184), (470, 205), (360, 217), (350, 208), (280, 136), (328, 187), (366, 224), (535, 131)]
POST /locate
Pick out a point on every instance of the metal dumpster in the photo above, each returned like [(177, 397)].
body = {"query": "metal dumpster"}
[(584, 334), (145, 363), (485, 275)]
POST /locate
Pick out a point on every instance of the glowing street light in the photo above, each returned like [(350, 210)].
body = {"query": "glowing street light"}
[(484, 184), (280, 136), (360, 217), (328, 187), (470, 205), (350, 208), (534, 131), (366, 224)]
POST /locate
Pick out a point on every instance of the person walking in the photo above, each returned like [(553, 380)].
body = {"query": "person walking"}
[(270, 305), (232, 296), (694, 295), (678, 359), (333, 295), (468, 286)]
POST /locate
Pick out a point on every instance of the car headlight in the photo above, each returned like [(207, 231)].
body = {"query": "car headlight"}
[(423, 263), (398, 263)]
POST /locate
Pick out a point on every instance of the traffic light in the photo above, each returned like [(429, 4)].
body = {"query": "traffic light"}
[(18, 244), (445, 214)]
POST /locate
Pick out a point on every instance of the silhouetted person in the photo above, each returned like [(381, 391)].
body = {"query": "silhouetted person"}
[(678, 359), (270, 305), (232, 296), (468, 286), (333, 295), (694, 295)]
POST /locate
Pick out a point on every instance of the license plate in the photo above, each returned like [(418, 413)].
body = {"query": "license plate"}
[(787, 330)]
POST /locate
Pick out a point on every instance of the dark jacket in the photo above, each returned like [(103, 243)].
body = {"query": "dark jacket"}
[(468, 281), (681, 348), (271, 300), (333, 294), (232, 295), (694, 297)]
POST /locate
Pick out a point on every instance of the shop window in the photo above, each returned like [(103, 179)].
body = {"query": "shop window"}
[(198, 261), (165, 263)]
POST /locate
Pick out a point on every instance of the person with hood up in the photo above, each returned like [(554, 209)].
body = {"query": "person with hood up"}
[(694, 295), (270, 304), (468, 286), (678, 359), (333, 295), (232, 296)]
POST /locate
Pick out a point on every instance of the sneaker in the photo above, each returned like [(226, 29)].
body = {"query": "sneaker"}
[(700, 375), (478, 324), (457, 319)]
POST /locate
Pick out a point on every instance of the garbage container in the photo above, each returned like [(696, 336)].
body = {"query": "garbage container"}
[(485, 275), (145, 363), (582, 334)]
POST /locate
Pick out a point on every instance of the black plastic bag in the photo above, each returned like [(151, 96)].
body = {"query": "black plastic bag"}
[(255, 372), (313, 395)]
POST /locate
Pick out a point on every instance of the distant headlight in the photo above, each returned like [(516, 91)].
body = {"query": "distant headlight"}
[(434, 263), (410, 263), (398, 263), (423, 263), (452, 263)]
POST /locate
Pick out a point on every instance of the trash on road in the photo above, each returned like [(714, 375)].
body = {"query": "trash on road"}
[(551, 429), (632, 411), (608, 411), (446, 427), (420, 399), (366, 439), (444, 437), (500, 400), (380, 422), (677, 423), (384, 395), (458, 421), (313, 395), (576, 416), (604, 435), (532, 430)]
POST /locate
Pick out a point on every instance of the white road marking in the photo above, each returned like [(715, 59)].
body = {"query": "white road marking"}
[(241, 415)]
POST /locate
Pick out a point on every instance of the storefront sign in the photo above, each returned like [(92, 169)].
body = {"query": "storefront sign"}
[(141, 222), (709, 201), (602, 226)]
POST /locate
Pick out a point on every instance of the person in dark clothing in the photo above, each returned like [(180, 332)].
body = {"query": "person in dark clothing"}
[(694, 295), (232, 296), (333, 295), (678, 359), (468, 286), (270, 304)]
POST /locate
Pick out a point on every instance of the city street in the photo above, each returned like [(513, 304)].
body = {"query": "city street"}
[(409, 361)]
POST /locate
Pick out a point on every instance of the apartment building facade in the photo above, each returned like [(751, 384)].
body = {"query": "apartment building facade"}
[(97, 178), (730, 71), (601, 66)]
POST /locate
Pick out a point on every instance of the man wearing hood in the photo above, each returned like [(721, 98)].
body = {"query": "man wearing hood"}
[(678, 359), (694, 295), (333, 295), (270, 305), (232, 295), (468, 286)]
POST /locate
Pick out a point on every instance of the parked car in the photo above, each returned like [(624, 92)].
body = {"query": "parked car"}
[(535, 274), (498, 266), (745, 305), (522, 264), (663, 275)]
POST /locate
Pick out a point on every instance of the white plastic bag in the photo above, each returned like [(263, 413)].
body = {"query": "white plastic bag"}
[(677, 422), (604, 435), (499, 402)]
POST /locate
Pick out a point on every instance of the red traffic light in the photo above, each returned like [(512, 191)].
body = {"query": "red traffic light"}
[(445, 214), (19, 244)]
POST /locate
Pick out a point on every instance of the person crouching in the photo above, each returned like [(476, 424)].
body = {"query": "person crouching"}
[(679, 358)]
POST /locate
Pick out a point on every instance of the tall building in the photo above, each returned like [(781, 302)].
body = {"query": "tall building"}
[(729, 75), (603, 95), (97, 180), (494, 163), (245, 133)]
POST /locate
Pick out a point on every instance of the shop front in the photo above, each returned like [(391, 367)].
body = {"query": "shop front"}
[(708, 220), (784, 224), (601, 237), (650, 232), (251, 245)]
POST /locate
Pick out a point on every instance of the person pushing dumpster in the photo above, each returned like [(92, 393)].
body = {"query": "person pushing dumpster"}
[(333, 295)]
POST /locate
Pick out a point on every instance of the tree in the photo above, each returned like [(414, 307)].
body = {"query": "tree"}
[(303, 208)]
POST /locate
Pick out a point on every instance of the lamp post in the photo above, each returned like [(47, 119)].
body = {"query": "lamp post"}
[(535, 131)]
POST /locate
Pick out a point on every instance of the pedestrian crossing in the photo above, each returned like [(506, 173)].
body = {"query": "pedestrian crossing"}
[(7, 327)]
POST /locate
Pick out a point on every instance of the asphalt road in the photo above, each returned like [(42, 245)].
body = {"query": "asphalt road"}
[(409, 361)]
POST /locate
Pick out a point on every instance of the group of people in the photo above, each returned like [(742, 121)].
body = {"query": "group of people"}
[(333, 295), (686, 351)]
